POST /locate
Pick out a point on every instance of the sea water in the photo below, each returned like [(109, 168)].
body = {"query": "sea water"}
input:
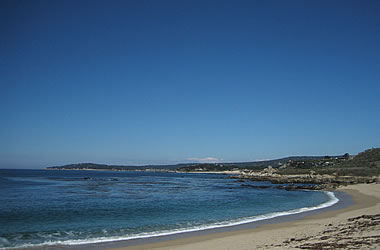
[(50, 207)]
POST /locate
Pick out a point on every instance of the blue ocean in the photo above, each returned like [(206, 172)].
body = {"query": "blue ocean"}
[(55, 207)]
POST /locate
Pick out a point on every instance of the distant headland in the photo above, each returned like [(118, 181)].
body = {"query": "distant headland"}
[(322, 171)]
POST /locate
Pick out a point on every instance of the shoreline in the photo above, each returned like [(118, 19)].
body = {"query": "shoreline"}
[(246, 236), (248, 223), (291, 215), (344, 200), (256, 234)]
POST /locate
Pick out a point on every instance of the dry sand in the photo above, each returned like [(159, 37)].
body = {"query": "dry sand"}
[(346, 228)]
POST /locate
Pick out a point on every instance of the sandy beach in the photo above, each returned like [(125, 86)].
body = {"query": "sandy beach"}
[(354, 227)]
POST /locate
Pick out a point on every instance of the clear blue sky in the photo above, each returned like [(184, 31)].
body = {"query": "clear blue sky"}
[(146, 82)]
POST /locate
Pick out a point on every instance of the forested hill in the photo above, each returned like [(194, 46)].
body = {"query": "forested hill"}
[(257, 165), (95, 166)]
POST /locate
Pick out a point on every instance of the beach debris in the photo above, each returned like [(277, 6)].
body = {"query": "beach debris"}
[(362, 232)]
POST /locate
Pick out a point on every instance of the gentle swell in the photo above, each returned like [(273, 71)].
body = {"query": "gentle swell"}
[(332, 200)]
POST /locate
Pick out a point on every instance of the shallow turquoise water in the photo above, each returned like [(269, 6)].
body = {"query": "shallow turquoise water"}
[(39, 207)]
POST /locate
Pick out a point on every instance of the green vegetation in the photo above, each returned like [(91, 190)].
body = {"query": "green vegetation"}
[(366, 163), (95, 166), (293, 164), (187, 167)]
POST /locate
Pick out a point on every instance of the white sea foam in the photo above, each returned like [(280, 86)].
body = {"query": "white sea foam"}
[(332, 200)]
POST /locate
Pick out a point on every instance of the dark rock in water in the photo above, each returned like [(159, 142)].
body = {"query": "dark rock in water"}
[(254, 186), (313, 182), (293, 187)]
